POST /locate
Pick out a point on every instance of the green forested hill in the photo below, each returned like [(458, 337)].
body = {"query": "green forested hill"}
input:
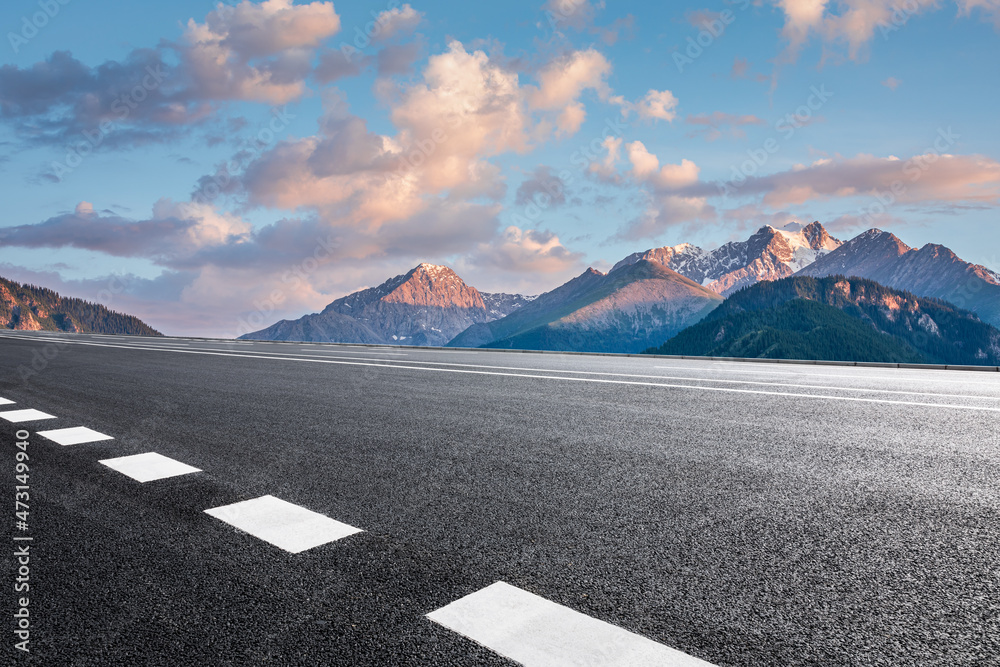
[(31, 308), (838, 319)]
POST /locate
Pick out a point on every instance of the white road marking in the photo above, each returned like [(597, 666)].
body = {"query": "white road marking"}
[(6, 401), (388, 363), (857, 376), (149, 467), (874, 390), (77, 435), (282, 523), (18, 416), (536, 632), (871, 390)]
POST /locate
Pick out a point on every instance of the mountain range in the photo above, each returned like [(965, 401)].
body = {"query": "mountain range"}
[(31, 308), (770, 254), (642, 301), (429, 305), (621, 311), (838, 319), (932, 270)]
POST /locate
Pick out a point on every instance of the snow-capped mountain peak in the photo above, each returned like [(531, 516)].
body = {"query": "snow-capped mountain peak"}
[(769, 254)]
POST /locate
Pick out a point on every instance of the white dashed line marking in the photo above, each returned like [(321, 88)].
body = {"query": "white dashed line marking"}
[(282, 523), (6, 401), (74, 436), (149, 467), (536, 632), (18, 416)]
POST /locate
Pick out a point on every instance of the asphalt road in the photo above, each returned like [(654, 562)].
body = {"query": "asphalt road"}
[(745, 514)]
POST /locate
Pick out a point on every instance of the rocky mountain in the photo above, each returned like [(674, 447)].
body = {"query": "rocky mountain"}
[(31, 308), (770, 254), (621, 311), (932, 270), (839, 319), (428, 305)]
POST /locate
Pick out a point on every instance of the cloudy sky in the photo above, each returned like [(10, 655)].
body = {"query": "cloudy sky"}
[(208, 165)]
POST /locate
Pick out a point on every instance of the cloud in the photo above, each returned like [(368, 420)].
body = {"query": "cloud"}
[(741, 70), (397, 21), (928, 177), (562, 81), (606, 170), (892, 83), (579, 15), (542, 185), (664, 213), (173, 234), (669, 202), (989, 8), (646, 169), (657, 105), (61, 101), (576, 14), (247, 52), (334, 65), (527, 251), (397, 59), (248, 31), (801, 18), (718, 124), (255, 52), (858, 20)]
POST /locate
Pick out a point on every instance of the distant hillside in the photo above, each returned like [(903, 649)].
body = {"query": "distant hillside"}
[(624, 311), (838, 319), (31, 308), (932, 270), (428, 305)]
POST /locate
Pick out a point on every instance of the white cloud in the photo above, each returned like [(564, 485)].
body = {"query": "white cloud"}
[(562, 81), (657, 105)]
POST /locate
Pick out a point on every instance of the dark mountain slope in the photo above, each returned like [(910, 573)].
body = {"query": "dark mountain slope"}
[(623, 311), (31, 308), (838, 319)]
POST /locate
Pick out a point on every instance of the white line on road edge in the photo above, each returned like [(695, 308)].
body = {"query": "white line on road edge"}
[(18, 416), (911, 374), (283, 524), (536, 632), (870, 390), (149, 467), (387, 364), (77, 435)]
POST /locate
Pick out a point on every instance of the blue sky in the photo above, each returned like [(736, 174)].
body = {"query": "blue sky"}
[(518, 143)]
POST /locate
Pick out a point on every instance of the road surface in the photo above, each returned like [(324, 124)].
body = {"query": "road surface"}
[(576, 507)]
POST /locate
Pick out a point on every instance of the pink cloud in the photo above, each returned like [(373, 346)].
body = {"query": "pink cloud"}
[(929, 177)]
